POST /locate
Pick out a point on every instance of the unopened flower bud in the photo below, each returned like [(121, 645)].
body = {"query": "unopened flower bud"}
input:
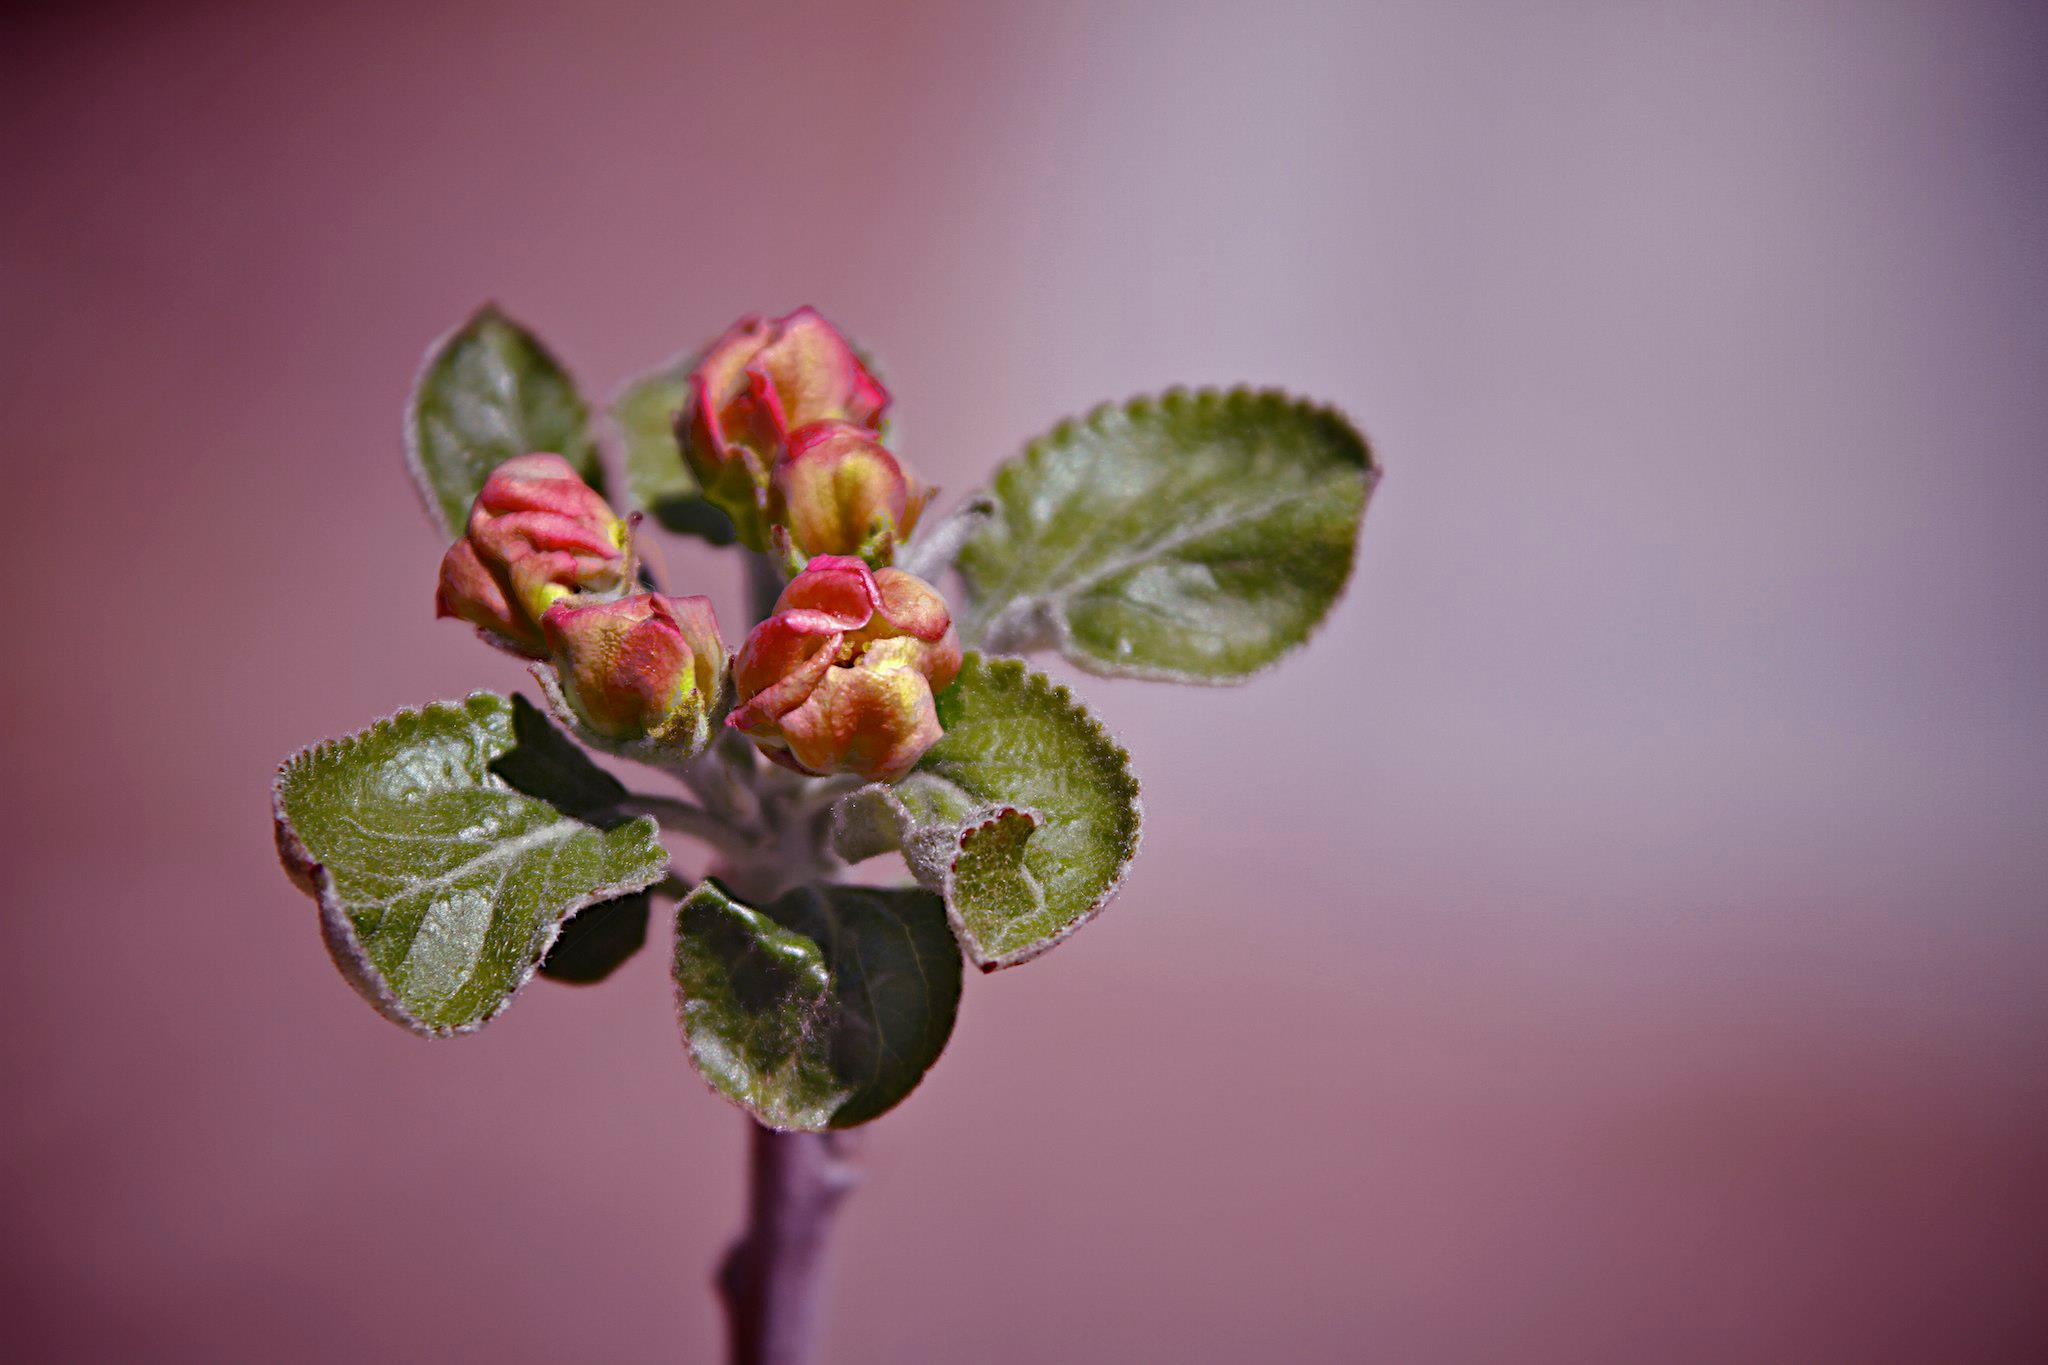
[(841, 678), (757, 384), (644, 667), (840, 492), (536, 534)]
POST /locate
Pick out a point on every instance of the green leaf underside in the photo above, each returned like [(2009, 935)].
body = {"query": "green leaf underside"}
[(1195, 536), (822, 1010), (546, 763), (440, 885), (598, 940), (1025, 814), (490, 391), (658, 480)]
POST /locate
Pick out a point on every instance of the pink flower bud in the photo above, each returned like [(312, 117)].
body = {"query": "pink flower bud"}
[(841, 678), (840, 492), (536, 534), (757, 384), (644, 667)]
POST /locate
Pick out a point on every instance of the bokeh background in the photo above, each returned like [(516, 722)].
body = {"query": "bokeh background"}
[(1621, 935)]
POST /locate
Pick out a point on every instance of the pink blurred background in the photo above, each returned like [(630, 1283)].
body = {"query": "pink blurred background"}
[(1622, 935)]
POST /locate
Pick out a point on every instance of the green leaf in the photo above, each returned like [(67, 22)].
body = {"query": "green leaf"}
[(823, 1010), (1192, 537), (440, 886), (546, 763), (489, 391), (658, 480), (1024, 815), (597, 941)]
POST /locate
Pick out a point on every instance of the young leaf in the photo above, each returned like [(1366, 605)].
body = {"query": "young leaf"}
[(656, 477), (821, 1011), (596, 941), (489, 391), (440, 886), (546, 763), (1024, 815), (1192, 537)]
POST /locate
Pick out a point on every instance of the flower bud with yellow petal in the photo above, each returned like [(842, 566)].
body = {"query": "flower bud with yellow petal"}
[(751, 390), (842, 677), (641, 668), (840, 492), (537, 533)]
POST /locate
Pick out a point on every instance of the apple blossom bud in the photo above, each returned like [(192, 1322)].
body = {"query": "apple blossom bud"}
[(840, 492), (841, 678), (536, 534), (756, 385), (644, 667)]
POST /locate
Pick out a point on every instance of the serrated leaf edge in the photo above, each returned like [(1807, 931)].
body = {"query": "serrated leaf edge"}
[(1060, 692), (338, 932), (1051, 628)]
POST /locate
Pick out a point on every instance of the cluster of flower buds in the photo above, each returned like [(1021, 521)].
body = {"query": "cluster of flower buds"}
[(841, 678), (782, 428), (544, 569)]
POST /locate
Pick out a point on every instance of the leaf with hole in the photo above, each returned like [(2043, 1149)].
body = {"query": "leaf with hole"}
[(440, 885), (487, 392), (1192, 537), (1024, 815), (821, 1010)]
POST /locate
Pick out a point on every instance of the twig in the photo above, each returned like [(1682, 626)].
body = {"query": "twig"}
[(685, 817), (773, 1280)]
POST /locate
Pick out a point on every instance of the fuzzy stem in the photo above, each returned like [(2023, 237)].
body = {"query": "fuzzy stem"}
[(940, 545), (773, 1280), (693, 820)]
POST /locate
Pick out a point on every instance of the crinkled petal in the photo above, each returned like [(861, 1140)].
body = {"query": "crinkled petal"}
[(470, 592), (911, 605), (874, 719), (838, 586), (835, 484), (816, 375), (777, 668)]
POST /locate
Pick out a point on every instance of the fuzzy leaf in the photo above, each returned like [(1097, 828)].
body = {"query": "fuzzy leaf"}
[(440, 886), (658, 480), (489, 391), (821, 1011), (1192, 537), (1024, 815)]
